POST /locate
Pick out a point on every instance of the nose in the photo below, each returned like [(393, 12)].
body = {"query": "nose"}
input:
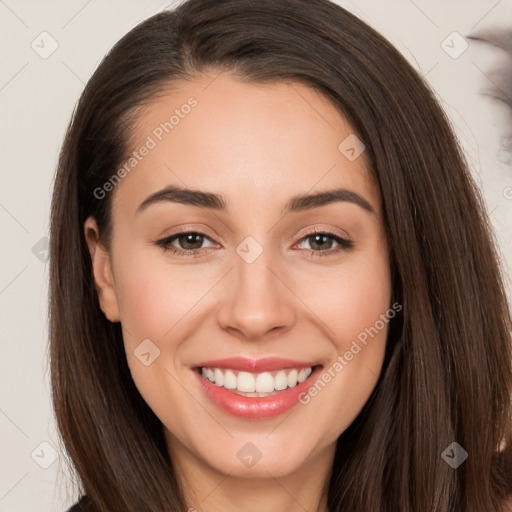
[(257, 300)]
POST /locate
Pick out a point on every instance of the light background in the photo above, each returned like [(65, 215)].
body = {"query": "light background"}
[(37, 97)]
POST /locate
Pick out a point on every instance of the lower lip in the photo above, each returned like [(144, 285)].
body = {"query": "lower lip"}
[(256, 407)]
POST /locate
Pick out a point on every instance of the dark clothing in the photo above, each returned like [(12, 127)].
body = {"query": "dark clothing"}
[(81, 506)]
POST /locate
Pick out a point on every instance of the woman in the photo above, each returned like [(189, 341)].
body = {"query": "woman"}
[(273, 285)]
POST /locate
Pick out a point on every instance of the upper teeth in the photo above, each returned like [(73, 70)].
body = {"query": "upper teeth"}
[(265, 382)]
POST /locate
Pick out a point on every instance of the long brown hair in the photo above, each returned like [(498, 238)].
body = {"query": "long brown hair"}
[(447, 374)]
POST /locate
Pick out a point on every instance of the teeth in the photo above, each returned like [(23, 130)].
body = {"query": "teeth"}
[(210, 375), (245, 382), (281, 381), (219, 377), (259, 384), (292, 378), (265, 383), (229, 380)]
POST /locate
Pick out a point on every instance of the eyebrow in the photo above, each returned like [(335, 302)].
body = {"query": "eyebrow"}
[(216, 202)]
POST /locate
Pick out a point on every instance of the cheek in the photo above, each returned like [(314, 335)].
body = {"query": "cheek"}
[(154, 295), (146, 302), (352, 298), (154, 299), (352, 304)]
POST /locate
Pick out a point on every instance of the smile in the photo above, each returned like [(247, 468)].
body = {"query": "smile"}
[(255, 389), (256, 384)]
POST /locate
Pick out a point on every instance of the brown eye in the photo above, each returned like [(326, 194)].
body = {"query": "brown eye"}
[(190, 241), (322, 242), (186, 242)]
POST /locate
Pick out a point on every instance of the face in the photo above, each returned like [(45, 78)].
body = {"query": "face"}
[(274, 289)]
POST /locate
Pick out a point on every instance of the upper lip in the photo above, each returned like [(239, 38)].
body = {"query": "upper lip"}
[(266, 364)]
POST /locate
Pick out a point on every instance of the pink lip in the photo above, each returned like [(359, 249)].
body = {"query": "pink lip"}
[(256, 407), (266, 364)]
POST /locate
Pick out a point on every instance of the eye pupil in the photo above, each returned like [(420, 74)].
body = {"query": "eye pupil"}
[(191, 238), (319, 241)]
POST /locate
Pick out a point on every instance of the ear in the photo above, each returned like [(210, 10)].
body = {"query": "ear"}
[(102, 270)]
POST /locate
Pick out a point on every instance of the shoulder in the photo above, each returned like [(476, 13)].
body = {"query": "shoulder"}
[(81, 506)]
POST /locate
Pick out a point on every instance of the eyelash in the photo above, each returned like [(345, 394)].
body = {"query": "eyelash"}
[(344, 243)]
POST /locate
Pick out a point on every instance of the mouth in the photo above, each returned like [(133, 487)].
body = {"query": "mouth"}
[(256, 384), (256, 394)]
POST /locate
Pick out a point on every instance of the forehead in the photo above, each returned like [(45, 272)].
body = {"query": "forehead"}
[(256, 142)]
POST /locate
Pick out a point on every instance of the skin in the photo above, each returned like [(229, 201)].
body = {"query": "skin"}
[(257, 145)]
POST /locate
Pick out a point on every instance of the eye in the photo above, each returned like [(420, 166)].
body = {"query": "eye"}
[(321, 243), (190, 243)]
